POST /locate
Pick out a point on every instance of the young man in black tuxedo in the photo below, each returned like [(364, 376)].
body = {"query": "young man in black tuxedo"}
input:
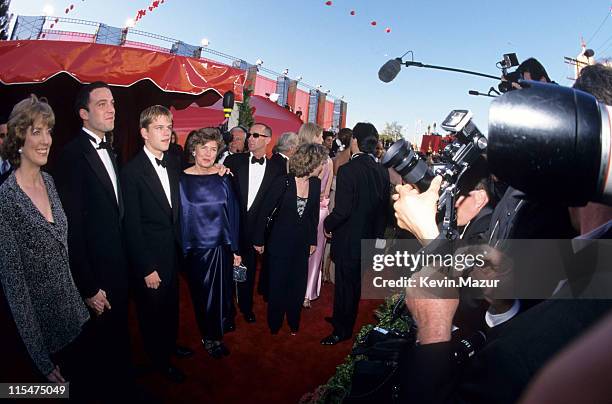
[(88, 184), (253, 174), (360, 212), (150, 183)]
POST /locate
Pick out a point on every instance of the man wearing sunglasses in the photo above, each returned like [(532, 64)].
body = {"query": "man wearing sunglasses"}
[(253, 174)]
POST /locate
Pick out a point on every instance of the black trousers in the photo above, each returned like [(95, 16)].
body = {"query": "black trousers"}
[(246, 289), (347, 294), (287, 281), (158, 311)]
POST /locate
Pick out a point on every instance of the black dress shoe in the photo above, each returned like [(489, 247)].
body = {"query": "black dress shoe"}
[(173, 374), (332, 340), (249, 317), (182, 352)]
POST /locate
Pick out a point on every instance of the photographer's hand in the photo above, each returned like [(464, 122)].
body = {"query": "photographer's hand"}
[(416, 212), (432, 307)]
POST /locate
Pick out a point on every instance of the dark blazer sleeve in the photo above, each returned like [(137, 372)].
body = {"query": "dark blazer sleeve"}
[(69, 181), (345, 193), (233, 213), (314, 211), (19, 300), (382, 215), (140, 255), (270, 201)]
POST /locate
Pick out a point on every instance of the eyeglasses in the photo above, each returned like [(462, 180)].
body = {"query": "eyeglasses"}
[(256, 135)]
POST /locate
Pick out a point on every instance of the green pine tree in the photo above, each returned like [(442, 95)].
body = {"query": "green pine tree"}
[(245, 114)]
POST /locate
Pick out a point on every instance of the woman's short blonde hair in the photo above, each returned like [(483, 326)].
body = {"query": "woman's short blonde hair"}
[(24, 115), (308, 132), (307, 158)]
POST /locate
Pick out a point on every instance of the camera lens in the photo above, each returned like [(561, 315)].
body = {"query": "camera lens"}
[(413, 169)]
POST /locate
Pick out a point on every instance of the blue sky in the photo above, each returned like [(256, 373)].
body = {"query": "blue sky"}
[(328, 46)]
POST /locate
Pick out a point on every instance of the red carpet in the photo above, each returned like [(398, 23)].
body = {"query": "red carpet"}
[(262, 368)]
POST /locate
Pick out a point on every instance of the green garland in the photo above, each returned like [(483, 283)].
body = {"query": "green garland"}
[(339, 385)]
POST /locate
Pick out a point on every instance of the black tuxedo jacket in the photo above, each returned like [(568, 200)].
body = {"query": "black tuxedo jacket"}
[(360, 209), (280, 160), (291, 235), (152, 226), (239, 164), (95, 241)]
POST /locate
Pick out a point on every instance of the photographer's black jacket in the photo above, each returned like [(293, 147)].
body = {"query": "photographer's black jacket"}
[(515, 351)]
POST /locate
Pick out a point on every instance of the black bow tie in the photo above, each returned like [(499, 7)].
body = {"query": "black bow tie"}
[(161, 162), (103, 144), (258, 161)]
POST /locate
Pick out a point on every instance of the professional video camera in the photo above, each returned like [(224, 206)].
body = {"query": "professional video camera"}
[(509, 60), (553, 143), (457, 157)]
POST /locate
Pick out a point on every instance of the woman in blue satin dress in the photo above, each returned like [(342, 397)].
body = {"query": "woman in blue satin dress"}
[(209, 223)]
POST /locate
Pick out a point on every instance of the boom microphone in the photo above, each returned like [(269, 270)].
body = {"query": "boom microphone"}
[(389, 70)]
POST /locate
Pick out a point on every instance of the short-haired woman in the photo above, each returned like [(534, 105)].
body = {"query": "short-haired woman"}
[(34, 271), (209, 226), (293, 235)]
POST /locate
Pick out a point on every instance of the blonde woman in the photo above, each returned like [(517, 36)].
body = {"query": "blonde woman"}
[(312, 133)]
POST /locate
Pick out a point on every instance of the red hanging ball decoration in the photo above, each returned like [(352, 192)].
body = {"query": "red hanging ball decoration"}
[(150, 8), (352, 12), (43, 35), (72, 6), (373, 23), (56, 20), (388, 30), (328, 3), (161, 1), (51, 26), (67, 11)]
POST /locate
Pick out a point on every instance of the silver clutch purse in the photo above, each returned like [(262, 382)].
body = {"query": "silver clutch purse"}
[(240, 273)]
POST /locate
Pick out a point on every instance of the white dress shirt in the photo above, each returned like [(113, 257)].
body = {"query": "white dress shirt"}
[(161, 172), (106, 160), (494, 320), (256, 174)]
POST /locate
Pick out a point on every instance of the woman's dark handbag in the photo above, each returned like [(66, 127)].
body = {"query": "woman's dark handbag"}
[(272, 216), (240, 273)]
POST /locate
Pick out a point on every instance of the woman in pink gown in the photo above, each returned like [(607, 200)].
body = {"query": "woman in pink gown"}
[(312, 133)]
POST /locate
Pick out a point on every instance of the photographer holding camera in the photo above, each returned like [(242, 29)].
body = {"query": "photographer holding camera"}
[(518, 349)]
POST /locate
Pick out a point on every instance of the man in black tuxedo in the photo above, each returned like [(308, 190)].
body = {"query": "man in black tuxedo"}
[(88, 185), (150, 184), (360, 212), (253, 174)]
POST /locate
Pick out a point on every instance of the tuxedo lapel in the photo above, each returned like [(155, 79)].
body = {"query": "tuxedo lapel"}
[(243, 181), (93, 159), (173, 176), (152, 181)]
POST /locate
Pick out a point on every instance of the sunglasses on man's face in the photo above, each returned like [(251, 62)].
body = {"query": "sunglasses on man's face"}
[(256, 135)]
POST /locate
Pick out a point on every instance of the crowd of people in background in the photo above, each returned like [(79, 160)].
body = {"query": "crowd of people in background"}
[(79, 240)]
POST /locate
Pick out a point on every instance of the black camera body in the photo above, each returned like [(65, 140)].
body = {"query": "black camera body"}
[(467, 147), (509, 60)]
